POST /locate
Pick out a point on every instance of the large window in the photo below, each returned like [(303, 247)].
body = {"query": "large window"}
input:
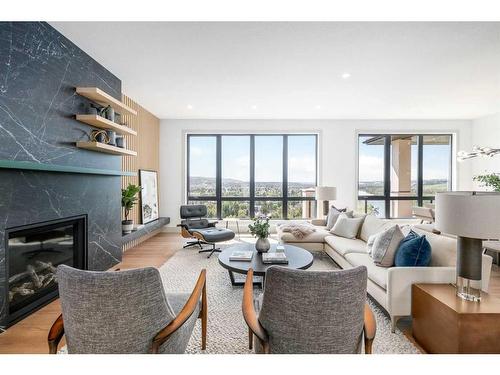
[(243, 176), (399, 171)]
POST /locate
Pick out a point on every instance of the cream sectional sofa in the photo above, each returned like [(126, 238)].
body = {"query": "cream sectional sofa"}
[(390, 287)]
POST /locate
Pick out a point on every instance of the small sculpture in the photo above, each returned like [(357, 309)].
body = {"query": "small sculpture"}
[(99, 136)]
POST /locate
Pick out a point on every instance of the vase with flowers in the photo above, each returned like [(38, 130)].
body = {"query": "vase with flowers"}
[(261, 229)]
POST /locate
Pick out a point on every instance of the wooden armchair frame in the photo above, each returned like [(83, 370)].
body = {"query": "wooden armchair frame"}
[(255, 328), (200, 290)]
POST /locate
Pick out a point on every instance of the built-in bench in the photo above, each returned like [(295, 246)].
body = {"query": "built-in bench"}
[(131, 239)]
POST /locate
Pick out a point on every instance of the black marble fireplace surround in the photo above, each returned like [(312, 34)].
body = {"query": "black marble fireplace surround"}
[(39, 70)]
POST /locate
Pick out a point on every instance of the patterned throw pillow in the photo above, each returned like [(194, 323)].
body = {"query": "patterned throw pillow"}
[(413, 251), (385, 246)]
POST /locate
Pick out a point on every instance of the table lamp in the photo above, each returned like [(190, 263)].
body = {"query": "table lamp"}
[(326, 194), (472, 217)]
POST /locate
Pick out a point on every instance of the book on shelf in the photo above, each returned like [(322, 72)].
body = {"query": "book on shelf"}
[(241, 255), (274, 258)]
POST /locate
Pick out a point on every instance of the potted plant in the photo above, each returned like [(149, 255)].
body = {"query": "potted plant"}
[(261, 229), (129, 199)]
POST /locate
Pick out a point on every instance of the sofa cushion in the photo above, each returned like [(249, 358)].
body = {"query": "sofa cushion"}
[(347, 227), (317, 236), (372, 225), (345, 245), (444, 248), (376, 274), (385, 245)]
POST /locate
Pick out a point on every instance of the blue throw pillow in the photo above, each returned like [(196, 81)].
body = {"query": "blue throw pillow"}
[(413, 251)]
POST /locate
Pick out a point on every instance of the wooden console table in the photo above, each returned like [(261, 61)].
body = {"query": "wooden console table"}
[(444, 323)]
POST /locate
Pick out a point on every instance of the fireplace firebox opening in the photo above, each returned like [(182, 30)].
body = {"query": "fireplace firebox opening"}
[(33, 253)]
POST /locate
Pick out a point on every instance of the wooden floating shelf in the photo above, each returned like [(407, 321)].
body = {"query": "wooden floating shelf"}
[(97, 95), (102, 123), (103, 147)]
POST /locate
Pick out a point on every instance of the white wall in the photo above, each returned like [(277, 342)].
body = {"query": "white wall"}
[(486, 133), (337, 150)]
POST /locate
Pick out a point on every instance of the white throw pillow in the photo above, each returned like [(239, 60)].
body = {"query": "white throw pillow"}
[(347, 227), (385, 245), (333, 215)]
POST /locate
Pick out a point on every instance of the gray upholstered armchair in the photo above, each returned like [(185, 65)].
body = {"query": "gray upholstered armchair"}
[(125, 312), (310, 312)]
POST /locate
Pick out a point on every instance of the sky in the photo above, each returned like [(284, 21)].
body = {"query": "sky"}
[(268, 158), (436, 162)]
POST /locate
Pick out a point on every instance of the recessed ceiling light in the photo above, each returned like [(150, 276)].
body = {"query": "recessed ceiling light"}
[(189, 106), (254, 107), (346, 75), (318, 106)]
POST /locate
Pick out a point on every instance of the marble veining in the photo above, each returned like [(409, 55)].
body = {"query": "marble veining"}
[(39, 70)]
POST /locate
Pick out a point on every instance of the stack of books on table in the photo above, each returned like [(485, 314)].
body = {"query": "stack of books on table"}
[(274, 258), (241, 255)]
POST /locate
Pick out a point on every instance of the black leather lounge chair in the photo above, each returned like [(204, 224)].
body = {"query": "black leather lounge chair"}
[(194, 225)]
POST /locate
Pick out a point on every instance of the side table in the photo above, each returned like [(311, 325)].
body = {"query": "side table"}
[(446, 324)]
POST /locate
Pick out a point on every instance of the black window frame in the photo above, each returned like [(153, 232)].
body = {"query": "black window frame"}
[(387, 198), (252, 198)]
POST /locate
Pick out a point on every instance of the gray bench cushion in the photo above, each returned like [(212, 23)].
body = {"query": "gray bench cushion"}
[(215, 234)]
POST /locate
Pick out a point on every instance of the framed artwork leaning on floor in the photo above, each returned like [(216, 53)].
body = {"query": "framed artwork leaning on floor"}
[(149, 195)]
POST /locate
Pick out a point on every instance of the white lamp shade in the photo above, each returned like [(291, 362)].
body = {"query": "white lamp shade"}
[(326, 193), (469, 214)]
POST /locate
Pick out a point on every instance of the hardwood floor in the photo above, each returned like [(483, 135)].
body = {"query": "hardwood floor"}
[(30, 334)]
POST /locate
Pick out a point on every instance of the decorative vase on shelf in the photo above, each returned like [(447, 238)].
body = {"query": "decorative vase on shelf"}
[(262, 245), (120, 141), (110, 113), (112, 137)]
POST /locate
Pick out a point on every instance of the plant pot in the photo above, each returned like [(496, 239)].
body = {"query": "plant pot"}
[(262, 245), (127, 226)]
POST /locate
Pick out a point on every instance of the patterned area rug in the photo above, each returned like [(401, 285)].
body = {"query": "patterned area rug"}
[(227, 332)]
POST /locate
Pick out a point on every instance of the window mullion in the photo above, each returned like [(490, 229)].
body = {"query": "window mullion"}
[(420, 178), (387, 175), (218, 178), (252, 176), (285, 177)]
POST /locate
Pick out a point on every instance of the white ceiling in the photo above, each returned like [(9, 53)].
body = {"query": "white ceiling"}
[(293, 70)]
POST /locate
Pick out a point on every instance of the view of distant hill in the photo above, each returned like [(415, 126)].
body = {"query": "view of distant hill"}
[(431, 186), (204, 186)]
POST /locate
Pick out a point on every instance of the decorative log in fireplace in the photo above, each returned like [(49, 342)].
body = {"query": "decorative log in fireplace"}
[(33, 254)]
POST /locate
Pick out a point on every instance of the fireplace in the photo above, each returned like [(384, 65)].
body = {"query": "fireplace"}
[(33, 253)]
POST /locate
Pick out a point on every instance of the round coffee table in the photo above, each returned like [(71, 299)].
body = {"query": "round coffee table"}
[(298, 258)]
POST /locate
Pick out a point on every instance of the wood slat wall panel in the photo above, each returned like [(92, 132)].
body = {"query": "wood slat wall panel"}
[(147, 145)]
